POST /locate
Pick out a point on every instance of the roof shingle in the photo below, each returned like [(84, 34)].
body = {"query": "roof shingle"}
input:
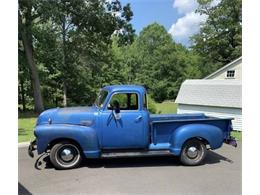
[(221, 93)]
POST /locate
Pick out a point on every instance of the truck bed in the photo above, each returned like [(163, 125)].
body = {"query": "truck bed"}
[(162, 126), (166, 117)]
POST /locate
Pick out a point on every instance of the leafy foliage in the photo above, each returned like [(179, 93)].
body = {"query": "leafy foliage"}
[(220, 38), (71, 40), (155, 61), (151, 105), (80, 46)]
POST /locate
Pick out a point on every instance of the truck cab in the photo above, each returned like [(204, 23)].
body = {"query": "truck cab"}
[(119, 124), (123, 117)]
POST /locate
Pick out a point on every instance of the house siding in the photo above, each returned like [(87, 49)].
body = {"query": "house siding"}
[(221, 73), (220, 112), (238, 72)]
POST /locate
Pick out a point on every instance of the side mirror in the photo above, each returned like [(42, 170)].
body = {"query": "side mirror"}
[(117, 116), (116, 110), (116, 106)]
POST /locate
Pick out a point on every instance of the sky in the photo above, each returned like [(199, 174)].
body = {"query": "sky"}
[(177, 16)]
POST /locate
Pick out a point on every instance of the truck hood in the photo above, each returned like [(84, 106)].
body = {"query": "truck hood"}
[(71, 115)]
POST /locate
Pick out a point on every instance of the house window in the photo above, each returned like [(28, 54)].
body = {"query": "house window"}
[(231, 74)]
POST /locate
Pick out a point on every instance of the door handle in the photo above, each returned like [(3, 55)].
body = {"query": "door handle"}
[(138, 118)]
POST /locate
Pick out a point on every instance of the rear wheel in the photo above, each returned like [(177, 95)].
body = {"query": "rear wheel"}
[(193, 152), (65, 155)]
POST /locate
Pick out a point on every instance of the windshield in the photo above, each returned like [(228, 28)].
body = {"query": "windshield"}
[(101, 98)]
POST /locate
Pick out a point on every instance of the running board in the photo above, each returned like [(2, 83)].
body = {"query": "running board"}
[(135, 154)]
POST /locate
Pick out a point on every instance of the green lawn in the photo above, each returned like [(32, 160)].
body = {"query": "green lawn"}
[(26, 123), (237, 135), (166, 108)]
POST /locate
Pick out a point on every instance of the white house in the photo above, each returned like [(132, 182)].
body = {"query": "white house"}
[(232, 70), (219, 94)]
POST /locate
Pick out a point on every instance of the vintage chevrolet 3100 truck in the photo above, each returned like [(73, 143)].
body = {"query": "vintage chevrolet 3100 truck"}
[(119, 124)]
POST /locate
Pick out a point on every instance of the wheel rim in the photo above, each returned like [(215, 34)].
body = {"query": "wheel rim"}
[(192, 152), (68, 155)]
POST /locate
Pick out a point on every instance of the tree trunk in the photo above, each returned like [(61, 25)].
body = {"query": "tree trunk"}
[(22, 94), (38, 103), (27, 44), (64, 94), (19, 96), (64, 61), (56, 102)]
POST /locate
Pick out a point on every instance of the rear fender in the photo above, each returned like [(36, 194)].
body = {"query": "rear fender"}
[(86, 137), (212, 134)]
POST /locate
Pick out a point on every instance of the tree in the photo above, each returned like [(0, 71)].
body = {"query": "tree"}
[(26, 17), (71, 41), (22, 76), (155, 61), (48, 57), (220, 38), (163, 62), (76, 47)]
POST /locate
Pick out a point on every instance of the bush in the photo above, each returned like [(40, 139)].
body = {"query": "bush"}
[(151, 105)]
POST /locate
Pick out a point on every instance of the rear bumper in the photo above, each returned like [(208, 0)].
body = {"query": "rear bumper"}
[(231, 141), (31, 148)]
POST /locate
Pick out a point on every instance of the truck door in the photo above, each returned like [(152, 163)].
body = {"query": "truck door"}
[(124, 129)]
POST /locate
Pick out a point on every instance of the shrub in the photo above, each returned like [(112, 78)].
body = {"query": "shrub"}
[(151, 105)]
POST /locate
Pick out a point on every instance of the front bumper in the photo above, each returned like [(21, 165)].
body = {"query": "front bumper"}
[(31, 148)]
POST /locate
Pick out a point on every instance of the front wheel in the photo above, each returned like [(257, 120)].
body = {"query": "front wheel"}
[(193, 152), (65, 155)]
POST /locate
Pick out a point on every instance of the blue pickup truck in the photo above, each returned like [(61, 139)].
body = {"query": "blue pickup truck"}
[(119, 124)]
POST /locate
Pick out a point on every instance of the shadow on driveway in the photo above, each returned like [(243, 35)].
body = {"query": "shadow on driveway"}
[(43, 161), (22, 190)]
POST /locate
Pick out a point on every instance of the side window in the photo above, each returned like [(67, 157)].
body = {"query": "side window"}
[(126, 101)]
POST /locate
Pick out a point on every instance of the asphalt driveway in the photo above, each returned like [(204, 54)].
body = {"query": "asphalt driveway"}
[(221, 174)]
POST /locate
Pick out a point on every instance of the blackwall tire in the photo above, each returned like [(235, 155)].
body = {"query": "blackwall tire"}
[(193, 152), (65, 155)]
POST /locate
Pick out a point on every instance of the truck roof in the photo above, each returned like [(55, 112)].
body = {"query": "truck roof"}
[(113, 88)]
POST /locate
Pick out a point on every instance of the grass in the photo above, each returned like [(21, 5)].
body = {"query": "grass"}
[(237, 135), (26, 123), (166, 107)]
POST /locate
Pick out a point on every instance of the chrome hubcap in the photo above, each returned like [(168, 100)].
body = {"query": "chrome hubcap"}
[(192, 152), (66, 154)]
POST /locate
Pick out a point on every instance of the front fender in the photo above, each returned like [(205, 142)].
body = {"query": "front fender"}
[(212, 134), (86, 137)]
